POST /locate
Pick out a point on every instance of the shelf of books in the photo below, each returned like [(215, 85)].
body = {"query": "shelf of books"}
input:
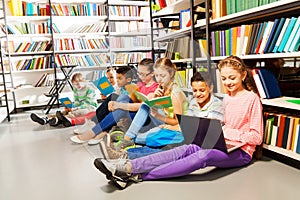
[(129, 31)]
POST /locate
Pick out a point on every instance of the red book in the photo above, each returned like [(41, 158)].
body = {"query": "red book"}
[(162, 4), (280, 130)]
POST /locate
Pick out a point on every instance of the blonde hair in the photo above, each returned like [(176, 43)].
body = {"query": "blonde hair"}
[(239, 65), (77, 77), (166, 64)]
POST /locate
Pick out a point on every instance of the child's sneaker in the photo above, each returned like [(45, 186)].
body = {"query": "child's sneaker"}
[(124, 144), (116, 134), (41, 120), (110, 153), (118, 171)]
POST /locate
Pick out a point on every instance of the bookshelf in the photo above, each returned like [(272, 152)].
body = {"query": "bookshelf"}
[(71, 32), (6, 95), (129, 31), (257, 13)]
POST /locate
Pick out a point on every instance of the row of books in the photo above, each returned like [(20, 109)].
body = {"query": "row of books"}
[(85, 28), (280, 35), (29, 28), (183, 77), (33, 64), (80, 60), (31, 8), (35, 46), (283, 131), (130, 42), (222, 8), (45, 80), (78, 9), (182, 48), (129, 26), (128, 11), (80, 44), (133, 57)]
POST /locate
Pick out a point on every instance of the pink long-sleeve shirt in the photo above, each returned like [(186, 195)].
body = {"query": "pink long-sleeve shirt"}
[(243, 120)]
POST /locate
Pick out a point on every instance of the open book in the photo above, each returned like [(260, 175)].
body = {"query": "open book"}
[(66, 102), (160, 102), (104, 86)]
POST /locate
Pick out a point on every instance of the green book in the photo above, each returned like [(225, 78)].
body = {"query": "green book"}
[(159, 102), (296, 101)]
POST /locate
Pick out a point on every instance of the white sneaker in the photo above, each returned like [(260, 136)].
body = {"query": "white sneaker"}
[(76, 140), (88, 125), (94, 141)]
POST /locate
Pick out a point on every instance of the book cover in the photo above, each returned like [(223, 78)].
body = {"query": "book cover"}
[(184, 18), (282, 32), (258, 83), (286, 132), (290, 133), (275, 130), (280, 135), (246, 39), (276, 34), (269, 40), (292, 35), (295, 135), (295, 44), (66, 102), (270, 122), (297, 149), (253, 34), (159, 102), (257, 37), (104, 85), (265, 37), (287, 34), (269, 83)]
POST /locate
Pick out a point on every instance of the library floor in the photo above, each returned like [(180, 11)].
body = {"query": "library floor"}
[(40, 163)]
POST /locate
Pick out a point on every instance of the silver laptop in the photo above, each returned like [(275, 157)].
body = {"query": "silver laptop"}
[(206, 133)]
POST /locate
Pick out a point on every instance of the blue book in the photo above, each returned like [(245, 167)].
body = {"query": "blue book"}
[(104, 86), (292, 36), (66, 102), (276, 35), (274, 28), (287, 34), (269, 83)]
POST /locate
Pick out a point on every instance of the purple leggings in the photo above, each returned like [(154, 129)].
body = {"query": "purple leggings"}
[(185, 159)]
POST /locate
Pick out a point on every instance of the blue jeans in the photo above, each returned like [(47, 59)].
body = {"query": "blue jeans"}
[(113, 117), (185, 159), (139, 121)]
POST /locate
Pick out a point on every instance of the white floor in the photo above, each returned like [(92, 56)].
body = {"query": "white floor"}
[(40, 163)]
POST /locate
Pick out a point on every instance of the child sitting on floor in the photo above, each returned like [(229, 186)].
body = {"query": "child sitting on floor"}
[(85, 104)]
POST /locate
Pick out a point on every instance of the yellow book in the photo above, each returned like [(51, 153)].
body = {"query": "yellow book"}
[(15, 7), (294, 142), (234, 40), (180, 78)]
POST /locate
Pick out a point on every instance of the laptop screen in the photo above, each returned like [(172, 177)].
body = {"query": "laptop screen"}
[(204, 132)]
